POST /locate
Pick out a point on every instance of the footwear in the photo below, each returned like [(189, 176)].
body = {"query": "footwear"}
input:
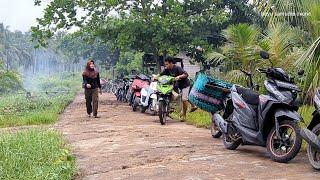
[(182, 118), (193, 109), (97, 116), (89, 115)]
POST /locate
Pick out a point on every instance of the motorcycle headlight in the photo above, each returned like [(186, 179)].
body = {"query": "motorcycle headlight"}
[(163, 81)]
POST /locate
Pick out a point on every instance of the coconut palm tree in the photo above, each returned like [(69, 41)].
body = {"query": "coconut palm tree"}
[(14, 48), (309, 22), (281, 42), (242, 45)]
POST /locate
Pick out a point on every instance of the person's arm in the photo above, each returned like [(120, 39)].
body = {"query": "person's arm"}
[(85, 81), (183, 74), (84, 78), (98, 79), (164, 72), (99, 84)]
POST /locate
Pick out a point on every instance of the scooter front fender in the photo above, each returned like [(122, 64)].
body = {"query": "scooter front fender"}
[(310, 137), (288, 115), (223, 125)]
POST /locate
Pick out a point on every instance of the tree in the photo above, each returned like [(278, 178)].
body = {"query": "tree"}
[(146, 26), (242, 45), (15, 48), (304, 14)]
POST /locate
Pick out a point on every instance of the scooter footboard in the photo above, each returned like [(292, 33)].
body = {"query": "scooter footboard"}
[(220, 122)]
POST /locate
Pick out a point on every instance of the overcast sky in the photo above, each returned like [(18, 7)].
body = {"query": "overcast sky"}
[(19, 14)]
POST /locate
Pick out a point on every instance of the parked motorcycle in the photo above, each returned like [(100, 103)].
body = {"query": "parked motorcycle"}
[(140, 82), (311, 134), (215, 130), (148, 98), (123, 90), (265, 120)]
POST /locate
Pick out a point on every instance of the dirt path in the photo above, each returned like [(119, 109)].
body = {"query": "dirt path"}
[(127, 145)]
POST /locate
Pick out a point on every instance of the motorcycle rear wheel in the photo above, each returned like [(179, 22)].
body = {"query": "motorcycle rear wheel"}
[(229, 143), (143, 109)]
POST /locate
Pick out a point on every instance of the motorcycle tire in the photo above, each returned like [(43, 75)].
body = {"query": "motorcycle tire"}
[(135, 104), (272, 144), (143, 109), (313, 153), (231, 144), (162, 112)]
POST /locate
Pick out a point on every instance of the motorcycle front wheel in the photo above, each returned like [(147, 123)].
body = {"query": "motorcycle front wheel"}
[(285, 147), (135, 104), (162, 112), (314, 153)]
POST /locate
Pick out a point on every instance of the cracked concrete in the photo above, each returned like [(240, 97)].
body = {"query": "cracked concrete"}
[(126, 145)]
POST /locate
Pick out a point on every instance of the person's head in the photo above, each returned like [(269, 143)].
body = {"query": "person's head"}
[(169, 62), (90, 70), (90, 64)]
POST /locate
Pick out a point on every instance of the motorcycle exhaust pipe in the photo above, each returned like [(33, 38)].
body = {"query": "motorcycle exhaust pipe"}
[(220, 122)]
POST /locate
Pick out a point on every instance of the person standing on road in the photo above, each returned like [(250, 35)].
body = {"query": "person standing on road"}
[(92, 88), (183, 83)]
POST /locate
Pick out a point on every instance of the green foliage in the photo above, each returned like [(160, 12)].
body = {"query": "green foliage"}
[(9, 80), (40, 108), (35, 154), (242, 45), (15, 48), (129, 61)]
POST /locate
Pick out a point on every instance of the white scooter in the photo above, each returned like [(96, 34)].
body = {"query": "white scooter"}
[(149, 98)]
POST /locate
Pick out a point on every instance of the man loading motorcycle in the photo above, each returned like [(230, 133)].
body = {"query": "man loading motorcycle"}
[(183, 83)]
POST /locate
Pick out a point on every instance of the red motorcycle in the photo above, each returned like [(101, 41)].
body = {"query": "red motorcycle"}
[(138, 83)]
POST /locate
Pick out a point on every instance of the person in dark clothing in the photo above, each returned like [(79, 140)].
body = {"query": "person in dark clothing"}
[(92, 88), (183, 83)]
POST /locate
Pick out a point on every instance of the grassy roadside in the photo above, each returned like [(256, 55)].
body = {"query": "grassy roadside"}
[(35, 154), (49, 98)]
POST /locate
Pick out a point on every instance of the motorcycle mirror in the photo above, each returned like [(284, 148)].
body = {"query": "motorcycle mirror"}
[(264, 55), (301, 72)]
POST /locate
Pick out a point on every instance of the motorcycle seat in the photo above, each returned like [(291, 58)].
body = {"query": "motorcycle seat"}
[(249, 96)]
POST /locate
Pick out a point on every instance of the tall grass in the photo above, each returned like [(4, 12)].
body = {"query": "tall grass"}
[(35, 154), (50, 95)]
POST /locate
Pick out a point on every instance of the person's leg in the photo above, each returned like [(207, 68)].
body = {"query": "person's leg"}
[(88, 96), (193, 107), (95, 101), (185, 93)]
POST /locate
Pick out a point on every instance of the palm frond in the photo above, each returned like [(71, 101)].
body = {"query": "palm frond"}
[(310, 61)]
